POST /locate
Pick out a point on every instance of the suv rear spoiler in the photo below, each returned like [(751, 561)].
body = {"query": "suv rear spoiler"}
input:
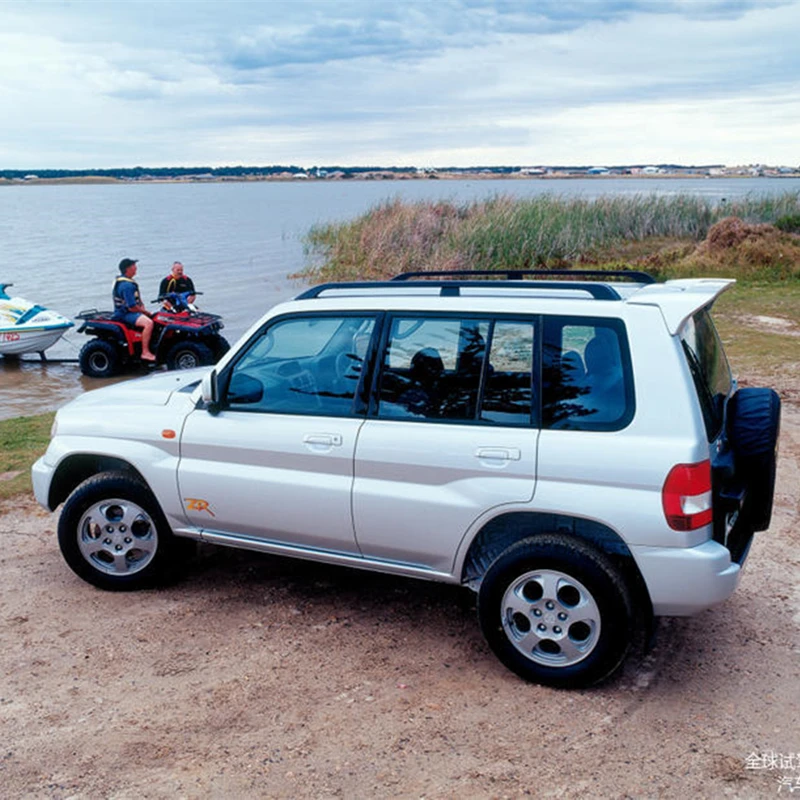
[(679, 299)]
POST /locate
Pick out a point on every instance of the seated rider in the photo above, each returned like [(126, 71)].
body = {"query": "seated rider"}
[(177, 282), (128, 305)]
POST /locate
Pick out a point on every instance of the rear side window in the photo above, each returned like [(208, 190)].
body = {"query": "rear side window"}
[(458, 369), (432, 368), (587, 381), (709, 367), (508, 392)]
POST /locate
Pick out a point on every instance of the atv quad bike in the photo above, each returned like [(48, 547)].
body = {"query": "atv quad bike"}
[(182, 339)]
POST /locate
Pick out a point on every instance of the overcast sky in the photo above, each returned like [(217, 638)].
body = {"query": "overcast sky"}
[(404, 82)]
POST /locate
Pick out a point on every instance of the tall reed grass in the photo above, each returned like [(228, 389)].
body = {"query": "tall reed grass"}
[(504, 232)]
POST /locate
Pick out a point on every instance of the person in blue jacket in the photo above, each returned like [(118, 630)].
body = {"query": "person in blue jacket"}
[(128, 305)]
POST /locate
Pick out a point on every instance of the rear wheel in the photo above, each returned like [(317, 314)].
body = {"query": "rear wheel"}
[(113, 534), (188, 355), (99, 359), (556, 611)]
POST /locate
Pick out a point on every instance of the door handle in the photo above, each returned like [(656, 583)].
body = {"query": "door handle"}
[(323, 439), (498, 453)]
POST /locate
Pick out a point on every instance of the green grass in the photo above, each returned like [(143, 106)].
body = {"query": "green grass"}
[(546, 231), (755, 348), (22, 441), (670, 237)]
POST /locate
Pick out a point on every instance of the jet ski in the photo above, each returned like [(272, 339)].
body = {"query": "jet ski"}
[(26, 327)]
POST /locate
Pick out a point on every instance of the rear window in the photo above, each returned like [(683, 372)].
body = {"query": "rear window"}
[(709, 367)]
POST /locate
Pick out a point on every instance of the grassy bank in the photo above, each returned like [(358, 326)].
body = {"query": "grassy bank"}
[(746, 318), (754, 240), (22, 441), (664, 234)]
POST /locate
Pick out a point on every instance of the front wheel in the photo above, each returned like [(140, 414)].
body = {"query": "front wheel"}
[(556, 611), (188, 355), (99, 359), (113, 534)]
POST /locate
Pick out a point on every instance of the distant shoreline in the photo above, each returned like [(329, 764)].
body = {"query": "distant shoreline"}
[(377, 176)]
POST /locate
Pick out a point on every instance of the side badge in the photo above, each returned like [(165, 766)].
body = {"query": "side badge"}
[(195, 504)]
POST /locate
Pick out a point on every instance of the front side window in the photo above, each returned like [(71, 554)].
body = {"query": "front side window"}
[(586, 374), (301, 365), (709, 367)]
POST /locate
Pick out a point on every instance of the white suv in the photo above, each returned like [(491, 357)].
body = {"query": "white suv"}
[(572, 449)]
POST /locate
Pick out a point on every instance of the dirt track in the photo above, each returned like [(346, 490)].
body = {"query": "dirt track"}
[(260, 677)]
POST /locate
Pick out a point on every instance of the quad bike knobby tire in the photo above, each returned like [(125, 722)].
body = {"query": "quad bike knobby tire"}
[(99, 359), (188, 355)]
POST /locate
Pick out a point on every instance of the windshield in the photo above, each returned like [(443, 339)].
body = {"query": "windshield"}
[(710, 369)]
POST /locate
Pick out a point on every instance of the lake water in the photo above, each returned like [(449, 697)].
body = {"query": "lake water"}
[(60, 245)]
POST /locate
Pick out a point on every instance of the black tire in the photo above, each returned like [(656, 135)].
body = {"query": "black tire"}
[(219, 346), (113, 534), (99, 359), (556, 611), (187, 355), (753, 430)]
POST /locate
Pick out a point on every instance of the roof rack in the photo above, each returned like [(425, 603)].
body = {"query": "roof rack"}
[(517, 274), (443, 280)]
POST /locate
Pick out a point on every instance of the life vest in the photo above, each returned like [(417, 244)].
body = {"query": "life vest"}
[(177, 285), (116, 293)]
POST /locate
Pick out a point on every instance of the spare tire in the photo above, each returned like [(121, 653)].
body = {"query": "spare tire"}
[(753, 428)]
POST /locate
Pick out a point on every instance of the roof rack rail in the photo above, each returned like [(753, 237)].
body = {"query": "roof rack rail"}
[(452, 288), (517, 274)]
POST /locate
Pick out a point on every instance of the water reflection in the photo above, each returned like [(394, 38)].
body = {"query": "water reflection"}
[(29, 386)]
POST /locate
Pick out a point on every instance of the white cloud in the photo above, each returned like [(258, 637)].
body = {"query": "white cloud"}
[(457, 82)]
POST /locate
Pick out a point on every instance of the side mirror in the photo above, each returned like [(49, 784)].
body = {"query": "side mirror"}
[(209, 392)]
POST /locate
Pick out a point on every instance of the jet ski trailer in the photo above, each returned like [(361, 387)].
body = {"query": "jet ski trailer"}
[(26, 327)]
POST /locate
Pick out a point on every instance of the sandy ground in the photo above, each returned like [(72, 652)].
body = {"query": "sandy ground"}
[(261, 677)]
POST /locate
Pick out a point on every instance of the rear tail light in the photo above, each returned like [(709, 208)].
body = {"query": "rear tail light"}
[(686, 496)]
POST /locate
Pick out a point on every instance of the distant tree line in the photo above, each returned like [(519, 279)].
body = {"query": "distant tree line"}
[(133, 173), (139, 173)]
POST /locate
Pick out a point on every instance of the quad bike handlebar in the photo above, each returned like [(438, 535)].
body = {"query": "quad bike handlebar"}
[(179, 301)]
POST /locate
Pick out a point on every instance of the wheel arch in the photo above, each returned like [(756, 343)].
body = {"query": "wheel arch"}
[(501, 532), (75, 469)]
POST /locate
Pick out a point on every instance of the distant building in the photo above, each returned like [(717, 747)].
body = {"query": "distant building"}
[(597, 171)]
